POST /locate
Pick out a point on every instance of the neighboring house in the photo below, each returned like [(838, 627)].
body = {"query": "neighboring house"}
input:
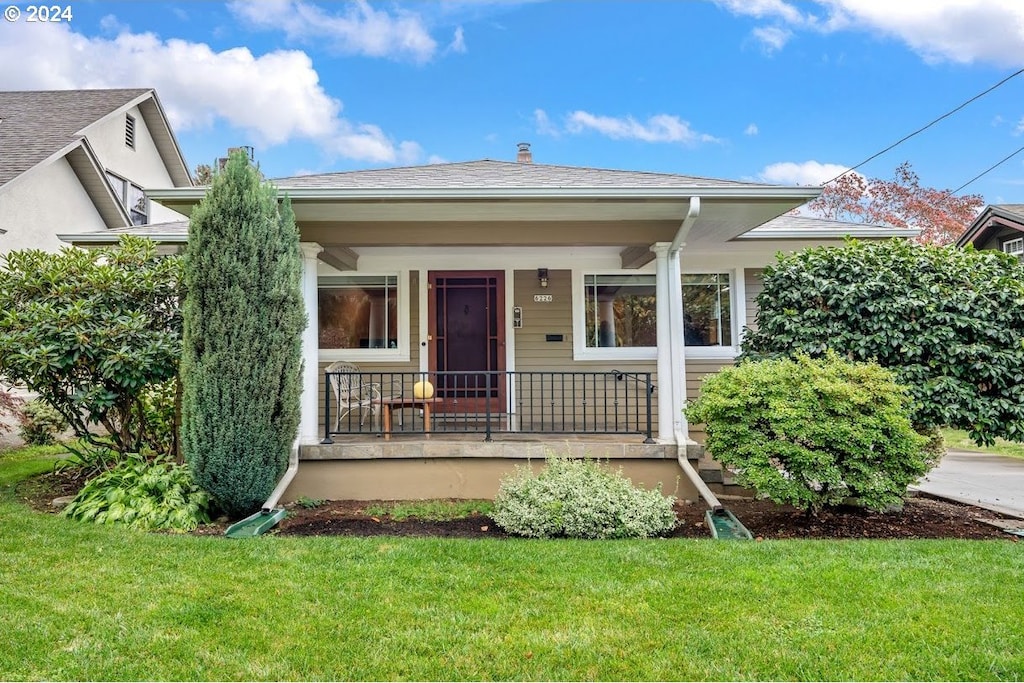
[(78, 161), (999, 226), (552, 301)]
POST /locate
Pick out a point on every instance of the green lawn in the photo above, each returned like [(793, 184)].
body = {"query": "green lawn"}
[(958, 439), (84, 602)]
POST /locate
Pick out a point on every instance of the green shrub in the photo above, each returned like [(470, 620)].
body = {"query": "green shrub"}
[(40, 423), (88, 329), (241, 362), (580, 499), (155, 494), (948, 322), (813, 432)]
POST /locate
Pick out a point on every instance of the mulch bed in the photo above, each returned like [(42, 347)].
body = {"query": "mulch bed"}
[(921, 517)]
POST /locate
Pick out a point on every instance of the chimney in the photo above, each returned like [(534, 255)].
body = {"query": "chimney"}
[(249, 152), (524, 155)]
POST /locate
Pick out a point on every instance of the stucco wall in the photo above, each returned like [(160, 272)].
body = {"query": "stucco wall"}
[(42, 202), (141, 165)]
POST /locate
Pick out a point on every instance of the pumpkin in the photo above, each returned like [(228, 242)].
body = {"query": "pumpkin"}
[(423, 390)]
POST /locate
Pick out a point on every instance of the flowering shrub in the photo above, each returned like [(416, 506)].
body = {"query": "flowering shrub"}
[(580, 499)]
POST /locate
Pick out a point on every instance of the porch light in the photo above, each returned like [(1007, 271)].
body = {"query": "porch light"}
[(542, 276)]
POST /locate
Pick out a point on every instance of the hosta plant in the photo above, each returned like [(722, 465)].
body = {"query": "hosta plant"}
[(148, 494)]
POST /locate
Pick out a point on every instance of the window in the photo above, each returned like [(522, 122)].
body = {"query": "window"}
[(620, 311), (1014, 247), (129, 130), (707, 310), (358, 312), (132, 197)]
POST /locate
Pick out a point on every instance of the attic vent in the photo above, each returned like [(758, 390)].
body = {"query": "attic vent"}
[(129, 130)]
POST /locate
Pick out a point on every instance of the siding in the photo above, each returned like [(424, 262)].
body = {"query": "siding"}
[(754, 285), (696, 371), (534, 353)]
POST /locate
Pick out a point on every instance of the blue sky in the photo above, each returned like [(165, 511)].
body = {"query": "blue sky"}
[(765, 90)]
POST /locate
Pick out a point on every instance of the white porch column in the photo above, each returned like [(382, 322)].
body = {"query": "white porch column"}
[(664, 327), (678, 358), (310, 401)]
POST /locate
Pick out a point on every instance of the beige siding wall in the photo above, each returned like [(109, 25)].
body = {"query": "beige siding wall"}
[(563, 403), (754, 285), (696, 371)]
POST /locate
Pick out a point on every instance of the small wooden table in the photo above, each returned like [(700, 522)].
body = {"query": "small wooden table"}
[(388, 405)]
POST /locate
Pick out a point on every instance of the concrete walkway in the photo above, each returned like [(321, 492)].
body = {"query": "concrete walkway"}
[(995, 482)]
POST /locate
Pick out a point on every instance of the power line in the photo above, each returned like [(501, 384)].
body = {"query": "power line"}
[(926, 127), (990, 168)]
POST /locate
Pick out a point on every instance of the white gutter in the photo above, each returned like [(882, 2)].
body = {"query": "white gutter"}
[(702, 488), (678, 356), (395, 194), (286, 479)]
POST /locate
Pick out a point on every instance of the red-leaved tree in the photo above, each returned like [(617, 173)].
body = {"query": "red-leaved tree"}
[(901, 202)]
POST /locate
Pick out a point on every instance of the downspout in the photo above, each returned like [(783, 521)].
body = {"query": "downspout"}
[(286, 479), (679, 426)]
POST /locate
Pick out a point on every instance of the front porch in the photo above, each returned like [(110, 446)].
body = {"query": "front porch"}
[(453, 465)]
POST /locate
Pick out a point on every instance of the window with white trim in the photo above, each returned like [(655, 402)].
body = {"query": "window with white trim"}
[(620, 311), (360, 313), (707, 309), (132, 197), (1014, 247)]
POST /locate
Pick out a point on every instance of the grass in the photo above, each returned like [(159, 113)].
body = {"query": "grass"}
[(85, 602), (430, 510), (958, 439)]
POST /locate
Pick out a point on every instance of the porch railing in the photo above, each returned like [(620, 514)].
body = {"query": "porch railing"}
[(488, 403)]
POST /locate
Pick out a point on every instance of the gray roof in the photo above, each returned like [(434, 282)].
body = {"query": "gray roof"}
[(982, 226), (789, 226), (1011, 211), (170, 231), (489, 174), (36, 124)]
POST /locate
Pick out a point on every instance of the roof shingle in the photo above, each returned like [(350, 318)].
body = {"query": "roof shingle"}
[(36, 124), (489, 174)]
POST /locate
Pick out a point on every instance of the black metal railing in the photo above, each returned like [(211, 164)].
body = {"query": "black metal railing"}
[(488, 403)]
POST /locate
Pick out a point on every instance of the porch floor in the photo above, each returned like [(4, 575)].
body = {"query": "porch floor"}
[(504, 446)]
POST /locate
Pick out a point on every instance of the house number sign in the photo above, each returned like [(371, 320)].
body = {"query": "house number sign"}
[(543, 298)]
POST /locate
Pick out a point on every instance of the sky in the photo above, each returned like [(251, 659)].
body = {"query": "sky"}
[(759, 90)]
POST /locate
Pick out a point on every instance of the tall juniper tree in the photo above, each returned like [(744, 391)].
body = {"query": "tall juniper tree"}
[(242, 355)]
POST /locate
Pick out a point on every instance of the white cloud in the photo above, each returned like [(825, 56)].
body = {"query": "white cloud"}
[(751, 129), (458, 43), (802, 173), (272, 98), (436, 159), (657, 128), (772, 38), (961, 31), (1020, 127), (544, 124), (360, 29)]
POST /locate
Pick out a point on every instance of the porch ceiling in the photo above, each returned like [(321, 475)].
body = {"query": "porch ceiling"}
[(529, 223)]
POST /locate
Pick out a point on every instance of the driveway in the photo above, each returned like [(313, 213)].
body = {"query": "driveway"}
[(995, 482)]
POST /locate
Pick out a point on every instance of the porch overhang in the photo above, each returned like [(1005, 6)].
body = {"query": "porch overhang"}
[(620, 217)]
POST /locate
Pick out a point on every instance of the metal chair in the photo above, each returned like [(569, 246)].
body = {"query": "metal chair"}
[(351, 393)]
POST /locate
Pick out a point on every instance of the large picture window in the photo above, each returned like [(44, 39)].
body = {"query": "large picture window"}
[(358, 312), (620, 311), (707, 310)]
